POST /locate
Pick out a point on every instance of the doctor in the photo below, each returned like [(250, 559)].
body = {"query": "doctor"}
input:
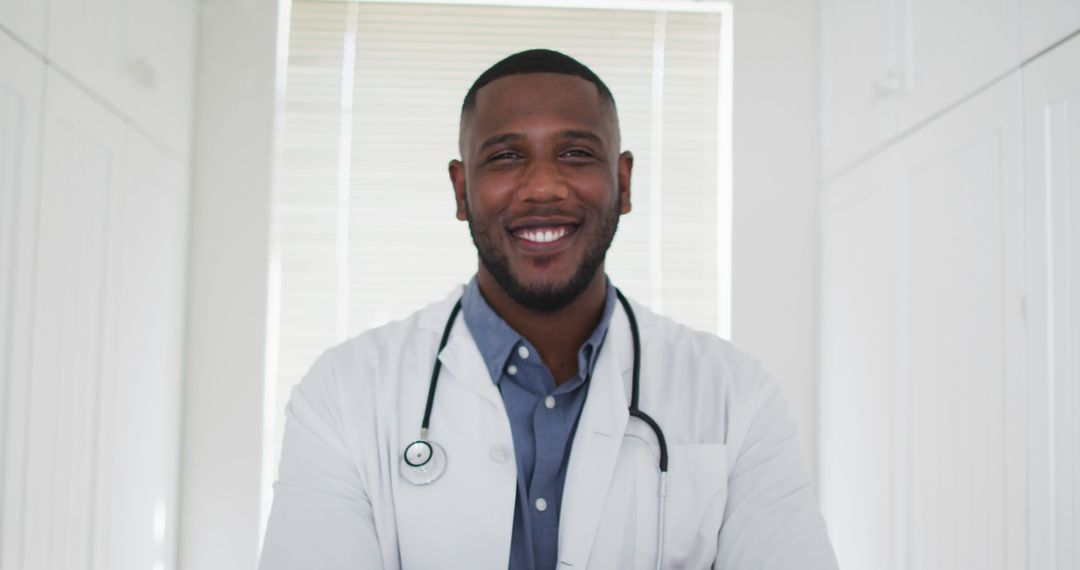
[(525, 441)]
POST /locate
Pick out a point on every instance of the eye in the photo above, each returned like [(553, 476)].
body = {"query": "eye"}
[(578, 154), (504, 156)]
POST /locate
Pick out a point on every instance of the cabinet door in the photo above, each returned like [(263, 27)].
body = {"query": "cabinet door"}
[(80, 161), (103, 440), (861, 382), (963, 356), (22, 77), (951, 50), (1052, 150), (923, 336), (1044, 22), (859, 78), (889, 65), (139, 434), (26, 20), (138, 55)]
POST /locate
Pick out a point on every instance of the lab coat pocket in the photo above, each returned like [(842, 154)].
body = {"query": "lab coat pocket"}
[(694, 506)]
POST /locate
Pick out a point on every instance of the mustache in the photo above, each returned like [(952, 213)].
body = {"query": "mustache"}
[(553, 211)]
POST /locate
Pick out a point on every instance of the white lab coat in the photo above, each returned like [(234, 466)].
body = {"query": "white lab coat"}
[(739, 495)]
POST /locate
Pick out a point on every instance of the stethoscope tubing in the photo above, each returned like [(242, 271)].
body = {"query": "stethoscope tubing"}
[(634, 411), (435, 370)]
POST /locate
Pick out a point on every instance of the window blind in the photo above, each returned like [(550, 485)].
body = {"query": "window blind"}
[(364, 212)]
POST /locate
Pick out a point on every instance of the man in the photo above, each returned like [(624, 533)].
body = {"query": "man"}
[(543, 452)]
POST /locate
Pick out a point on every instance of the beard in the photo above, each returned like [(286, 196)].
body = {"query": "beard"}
[(545, 297)]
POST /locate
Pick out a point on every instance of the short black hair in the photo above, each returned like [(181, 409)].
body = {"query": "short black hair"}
[(536, 61)]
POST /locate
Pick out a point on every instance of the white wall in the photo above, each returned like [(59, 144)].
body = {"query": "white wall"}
[(94, 107), (229, 275), (946, 403), (775, 170)]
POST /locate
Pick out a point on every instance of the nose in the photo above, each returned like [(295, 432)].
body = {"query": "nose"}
[(543, 183)]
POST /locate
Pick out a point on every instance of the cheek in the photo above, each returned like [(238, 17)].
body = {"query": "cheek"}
[(489, 195), (600, 189)]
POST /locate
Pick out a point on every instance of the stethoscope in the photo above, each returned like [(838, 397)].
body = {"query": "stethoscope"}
[(424, 460)]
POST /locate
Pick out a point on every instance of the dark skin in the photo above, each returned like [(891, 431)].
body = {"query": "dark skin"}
[(540, 153)]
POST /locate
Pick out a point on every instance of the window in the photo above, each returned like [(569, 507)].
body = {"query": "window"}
[(364, 212)]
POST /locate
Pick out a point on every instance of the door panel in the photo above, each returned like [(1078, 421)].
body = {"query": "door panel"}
[(922, 330), (22, 77), (80, 159), (102, 444), (138, 55), (1052, 150), (141, 363), (860, 383), (952, 49), (859, 78), (26, 20), (1044, 22)]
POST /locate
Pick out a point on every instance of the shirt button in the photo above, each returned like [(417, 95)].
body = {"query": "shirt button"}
[(523, 352), (511, 370), (549, 402), (498, 454), (541, 504)]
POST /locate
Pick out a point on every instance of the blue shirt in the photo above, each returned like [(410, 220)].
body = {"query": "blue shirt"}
[(543, 418)]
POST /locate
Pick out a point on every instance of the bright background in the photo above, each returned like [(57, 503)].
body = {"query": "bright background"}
[(364, 220), (878, 198)]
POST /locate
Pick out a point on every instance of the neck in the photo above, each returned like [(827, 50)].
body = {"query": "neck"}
[(557, 335)]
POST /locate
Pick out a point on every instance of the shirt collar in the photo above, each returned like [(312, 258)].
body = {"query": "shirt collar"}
[(496, 339)]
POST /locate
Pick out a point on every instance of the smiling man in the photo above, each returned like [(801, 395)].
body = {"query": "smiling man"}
[(538, 419)]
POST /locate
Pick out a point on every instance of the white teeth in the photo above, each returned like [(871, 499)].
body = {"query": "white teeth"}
[(542, 236)]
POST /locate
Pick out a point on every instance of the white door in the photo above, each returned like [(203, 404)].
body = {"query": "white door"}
[(860, 80), (102, 438), (952, 49), (22, 77), (138, 55), (80, 157), (861, 382), (25, 20), (1045, 22), (139, 431), (890, 65), (922, 347), (1052, 149)]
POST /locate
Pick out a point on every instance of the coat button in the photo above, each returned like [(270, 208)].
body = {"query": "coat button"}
[(549, 402), (499, 454), (523, 352), (541, 504)]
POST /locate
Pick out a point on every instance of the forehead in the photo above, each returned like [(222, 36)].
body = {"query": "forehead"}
[(521, 103)]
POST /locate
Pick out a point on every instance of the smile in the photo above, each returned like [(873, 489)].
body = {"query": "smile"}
[(544, 234)]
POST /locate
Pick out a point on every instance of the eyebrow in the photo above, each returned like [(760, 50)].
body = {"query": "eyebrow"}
[(499, 139), (576, 134), (565, 134)]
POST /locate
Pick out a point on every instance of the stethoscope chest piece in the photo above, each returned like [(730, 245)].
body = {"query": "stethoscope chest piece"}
[(423, 462)]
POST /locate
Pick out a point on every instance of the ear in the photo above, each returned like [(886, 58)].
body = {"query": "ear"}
[(457, 179), (626, 165)]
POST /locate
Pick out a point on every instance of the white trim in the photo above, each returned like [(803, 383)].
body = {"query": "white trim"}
[(725, 220), (656, 169), (344, 174), (272, 339), (1050, 423), (690, 6)]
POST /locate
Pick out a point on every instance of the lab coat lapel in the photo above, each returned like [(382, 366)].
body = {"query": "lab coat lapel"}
[(462, 360), (597, 443), (475, 495)]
